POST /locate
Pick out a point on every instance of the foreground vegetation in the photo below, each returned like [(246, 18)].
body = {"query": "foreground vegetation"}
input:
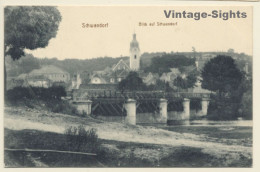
[(111, 153), (49, 99)]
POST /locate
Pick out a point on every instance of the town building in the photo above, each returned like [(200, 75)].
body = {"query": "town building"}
[(53, 73), (120, 70), (38, 81), (44, 77), (97, 79), (108, 78), (170, 76), (150, 79), (76, 81), (121, 65)]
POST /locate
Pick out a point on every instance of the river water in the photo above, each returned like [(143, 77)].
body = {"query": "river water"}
[(246, 123), (242, 123)]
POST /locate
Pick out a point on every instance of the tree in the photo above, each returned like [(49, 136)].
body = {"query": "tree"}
[(163, 63), (23, 65), (246, 105), (28, 28), (191, 79), (245, 96), (222, 76), (179, 82), (131, 83), (188, 82)]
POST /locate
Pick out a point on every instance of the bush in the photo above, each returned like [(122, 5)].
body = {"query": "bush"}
[(39, 97), (246, 105), (61, 106), (132, 83), (20, 93), (78, 139), (222, 109)]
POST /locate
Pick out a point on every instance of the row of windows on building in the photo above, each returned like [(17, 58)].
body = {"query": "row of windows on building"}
[(112, 80), (58, 75)]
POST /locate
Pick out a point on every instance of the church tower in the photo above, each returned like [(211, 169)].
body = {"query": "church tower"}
[(134, 54)]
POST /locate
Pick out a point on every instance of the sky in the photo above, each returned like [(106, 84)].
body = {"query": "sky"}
[(206, 34)]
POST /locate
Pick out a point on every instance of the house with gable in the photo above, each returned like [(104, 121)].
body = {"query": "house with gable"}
[(121, 69), (150, 78), (121, 65), (97, 79), (170, 76)]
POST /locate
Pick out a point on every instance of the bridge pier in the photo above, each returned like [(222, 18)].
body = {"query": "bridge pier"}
[(130, 107), (147, 110), (204, 106), (83, 106), (163, 109), (186, 109)]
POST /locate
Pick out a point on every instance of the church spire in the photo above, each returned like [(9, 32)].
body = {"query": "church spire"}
[(134, 43), (134, 54), (134, 36)]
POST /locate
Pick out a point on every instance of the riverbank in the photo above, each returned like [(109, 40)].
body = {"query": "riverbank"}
[(140, 146)]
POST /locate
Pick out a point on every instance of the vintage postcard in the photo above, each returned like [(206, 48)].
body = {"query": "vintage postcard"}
[(128, 86)]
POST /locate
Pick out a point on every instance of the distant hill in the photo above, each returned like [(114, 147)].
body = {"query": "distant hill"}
[(28, 62), (146, 59), (89, 65), (24, 65), (164, 63)]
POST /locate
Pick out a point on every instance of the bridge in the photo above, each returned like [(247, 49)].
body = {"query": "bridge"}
[(140, 106)]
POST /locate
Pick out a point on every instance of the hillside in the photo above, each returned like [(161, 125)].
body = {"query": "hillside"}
[(29, 62), (148, 58)]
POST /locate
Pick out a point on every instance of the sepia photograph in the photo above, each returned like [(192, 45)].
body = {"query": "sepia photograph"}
[(128, 86)]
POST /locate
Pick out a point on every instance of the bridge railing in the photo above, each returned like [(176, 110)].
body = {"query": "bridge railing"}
[(187, 95), (92, 94)]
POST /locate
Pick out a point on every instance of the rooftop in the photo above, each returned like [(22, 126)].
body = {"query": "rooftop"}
[(50, 69)]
